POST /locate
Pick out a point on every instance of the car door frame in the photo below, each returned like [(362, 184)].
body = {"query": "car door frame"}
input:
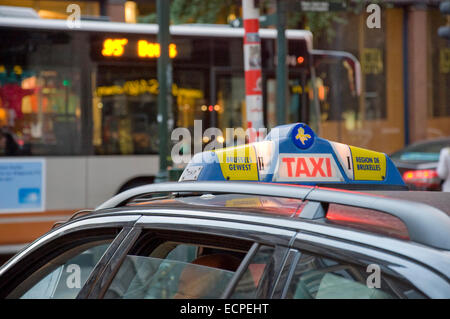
[(46, 247)]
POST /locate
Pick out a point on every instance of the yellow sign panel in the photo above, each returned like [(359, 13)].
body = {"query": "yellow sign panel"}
[(238, 163), (368, 165)]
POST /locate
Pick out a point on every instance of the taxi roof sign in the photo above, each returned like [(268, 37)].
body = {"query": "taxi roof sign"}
[(294, 154)]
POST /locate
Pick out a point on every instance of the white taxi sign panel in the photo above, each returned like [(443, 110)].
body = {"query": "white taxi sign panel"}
[(307, 167)]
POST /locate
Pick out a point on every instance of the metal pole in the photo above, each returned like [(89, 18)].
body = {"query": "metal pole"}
[(165, 85), (252, 67), (281, 62), (405, 76)]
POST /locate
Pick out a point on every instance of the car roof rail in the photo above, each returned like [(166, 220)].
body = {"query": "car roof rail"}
[(247, 188), (426, 224)]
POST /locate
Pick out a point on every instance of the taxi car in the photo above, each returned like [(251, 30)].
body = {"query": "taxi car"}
[(234, 227)]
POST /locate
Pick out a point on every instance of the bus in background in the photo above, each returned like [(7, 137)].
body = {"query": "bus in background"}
[(79, 107)]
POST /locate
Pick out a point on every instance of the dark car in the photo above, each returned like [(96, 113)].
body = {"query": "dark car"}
[(418, 162), (242, 240)]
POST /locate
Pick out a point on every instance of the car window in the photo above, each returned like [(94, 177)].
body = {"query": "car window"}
[(421, 152), (64, 276), (170, 256), (252, 281), (157, 268), (322, 278), (155, 278), (183, 252)]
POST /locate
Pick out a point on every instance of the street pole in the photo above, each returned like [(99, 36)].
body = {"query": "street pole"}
[(281, 62), (252, 67), (165, 86)]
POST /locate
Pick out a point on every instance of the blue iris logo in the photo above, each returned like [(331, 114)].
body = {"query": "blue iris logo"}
[(302, 136)]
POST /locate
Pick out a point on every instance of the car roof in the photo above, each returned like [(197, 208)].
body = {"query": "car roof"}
[(431, 141), (279, 206), (440, 200), (426, 224), (288, 207)]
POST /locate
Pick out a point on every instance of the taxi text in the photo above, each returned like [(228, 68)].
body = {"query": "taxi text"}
[(308, 167)]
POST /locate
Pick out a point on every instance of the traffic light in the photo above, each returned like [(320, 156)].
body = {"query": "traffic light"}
[(444, 31)]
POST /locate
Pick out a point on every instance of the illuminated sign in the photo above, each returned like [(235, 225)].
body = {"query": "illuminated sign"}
[(307, 167), (114, 47), (17, 69), (142, 86), (144, 49), (153, 50)]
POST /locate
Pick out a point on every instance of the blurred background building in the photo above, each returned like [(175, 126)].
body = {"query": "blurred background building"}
[(405, 65)]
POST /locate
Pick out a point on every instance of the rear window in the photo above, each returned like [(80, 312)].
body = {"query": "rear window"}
[(422, 152), (368, 220), (419, 157)]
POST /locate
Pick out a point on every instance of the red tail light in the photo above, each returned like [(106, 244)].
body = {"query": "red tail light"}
[(367, 219), (425, 178)]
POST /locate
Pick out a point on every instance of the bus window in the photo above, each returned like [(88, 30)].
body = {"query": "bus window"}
[(39, 93), (125, 109)]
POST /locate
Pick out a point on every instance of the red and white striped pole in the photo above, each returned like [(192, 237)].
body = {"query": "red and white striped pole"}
[(252, 67)]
